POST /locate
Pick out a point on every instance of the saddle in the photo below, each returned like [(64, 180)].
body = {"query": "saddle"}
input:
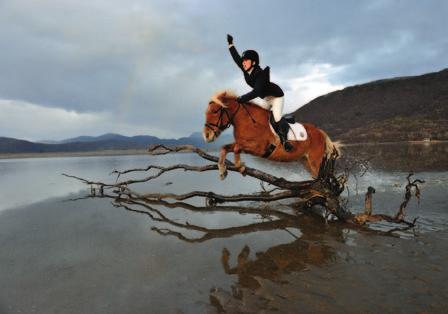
[(295, 131), (289, 118), (285, 122)]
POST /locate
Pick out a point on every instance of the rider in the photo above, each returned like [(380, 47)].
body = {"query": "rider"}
[(258, 79)]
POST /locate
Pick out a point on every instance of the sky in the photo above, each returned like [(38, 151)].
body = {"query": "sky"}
[(149, 67)]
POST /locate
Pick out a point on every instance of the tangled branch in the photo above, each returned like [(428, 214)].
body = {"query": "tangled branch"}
[(367, 216), (324, 191)]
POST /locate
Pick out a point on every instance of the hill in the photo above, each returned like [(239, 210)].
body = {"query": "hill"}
[(399, 109), (103, 142)]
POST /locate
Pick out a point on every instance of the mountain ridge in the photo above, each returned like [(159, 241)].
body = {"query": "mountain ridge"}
[(108, 141)]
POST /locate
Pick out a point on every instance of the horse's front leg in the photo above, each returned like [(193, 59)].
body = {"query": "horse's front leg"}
[(240, 165), (222, 157)]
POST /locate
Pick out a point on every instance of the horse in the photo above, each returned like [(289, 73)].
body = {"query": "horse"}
[(253, 135)]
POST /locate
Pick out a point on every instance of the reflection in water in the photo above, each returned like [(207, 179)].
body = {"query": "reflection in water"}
[(307, 250), (272, 265)]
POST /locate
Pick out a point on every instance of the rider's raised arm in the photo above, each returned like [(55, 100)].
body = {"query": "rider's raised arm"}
[(236, 56), (234, 53)]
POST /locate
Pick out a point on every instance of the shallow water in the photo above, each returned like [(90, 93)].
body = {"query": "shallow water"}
[(87, 256)]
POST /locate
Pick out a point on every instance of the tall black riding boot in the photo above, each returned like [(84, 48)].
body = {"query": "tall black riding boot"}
[(282, 127)]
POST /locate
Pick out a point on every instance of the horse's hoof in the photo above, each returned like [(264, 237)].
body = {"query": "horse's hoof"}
[(222, 171), (223, 174)]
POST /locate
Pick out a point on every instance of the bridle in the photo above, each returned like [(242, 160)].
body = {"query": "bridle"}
[(219, 125)]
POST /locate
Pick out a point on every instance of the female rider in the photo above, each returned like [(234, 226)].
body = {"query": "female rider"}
[(258, 79)]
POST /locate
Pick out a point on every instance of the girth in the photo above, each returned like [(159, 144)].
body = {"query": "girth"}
[(269, 150)]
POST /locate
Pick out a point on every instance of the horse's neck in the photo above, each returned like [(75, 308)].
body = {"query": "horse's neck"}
[(248, 114)]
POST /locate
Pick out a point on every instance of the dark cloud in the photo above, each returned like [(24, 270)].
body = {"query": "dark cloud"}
[(155, 63)]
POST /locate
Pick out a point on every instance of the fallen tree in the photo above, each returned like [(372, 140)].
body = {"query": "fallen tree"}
[(323, 192)]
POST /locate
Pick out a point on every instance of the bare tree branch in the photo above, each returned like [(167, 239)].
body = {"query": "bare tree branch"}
[(324, 190), (258, 174)]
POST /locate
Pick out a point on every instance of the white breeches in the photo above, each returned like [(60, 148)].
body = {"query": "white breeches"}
[(275, 104)]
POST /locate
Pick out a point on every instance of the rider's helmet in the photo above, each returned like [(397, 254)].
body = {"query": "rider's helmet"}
[(251, 55)]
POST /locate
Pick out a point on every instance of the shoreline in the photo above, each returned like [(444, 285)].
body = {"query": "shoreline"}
[(113, 152), (131, 152), (418, 142)]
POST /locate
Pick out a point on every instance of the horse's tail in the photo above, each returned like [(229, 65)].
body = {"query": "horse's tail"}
[(331, 146)]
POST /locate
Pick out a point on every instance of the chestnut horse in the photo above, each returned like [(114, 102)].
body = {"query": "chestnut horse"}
[(254, 136)]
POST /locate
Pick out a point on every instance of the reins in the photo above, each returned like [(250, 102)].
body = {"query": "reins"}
[(252, 118)]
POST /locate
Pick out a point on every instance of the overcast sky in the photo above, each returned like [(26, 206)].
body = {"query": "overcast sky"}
[(70, 67)]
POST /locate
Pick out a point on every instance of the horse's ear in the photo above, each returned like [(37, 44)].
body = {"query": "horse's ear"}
[(225, 96), (220, 99)]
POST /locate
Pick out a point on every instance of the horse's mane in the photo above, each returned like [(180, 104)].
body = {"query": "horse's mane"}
[(216, 98)]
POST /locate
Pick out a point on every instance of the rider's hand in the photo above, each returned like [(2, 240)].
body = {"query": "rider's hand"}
[(230, 39)]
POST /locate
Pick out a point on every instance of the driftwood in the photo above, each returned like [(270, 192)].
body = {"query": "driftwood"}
[(322, 192), (399, 217)]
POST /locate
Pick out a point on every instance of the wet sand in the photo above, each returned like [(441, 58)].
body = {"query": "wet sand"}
[(87, 256), (363, 274)]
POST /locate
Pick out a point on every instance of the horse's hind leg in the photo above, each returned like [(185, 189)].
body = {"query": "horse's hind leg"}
[(314, 159), (312, 166), (316, 151)]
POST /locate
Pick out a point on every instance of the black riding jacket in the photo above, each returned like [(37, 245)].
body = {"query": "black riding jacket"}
[(258, 79)]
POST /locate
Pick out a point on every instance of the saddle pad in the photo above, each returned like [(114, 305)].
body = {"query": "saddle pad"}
[(297, 132)]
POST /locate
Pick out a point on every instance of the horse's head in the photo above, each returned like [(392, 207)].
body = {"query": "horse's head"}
[(217, 116)]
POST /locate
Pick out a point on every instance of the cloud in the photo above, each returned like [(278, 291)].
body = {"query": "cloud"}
[(31, 121), (154, 64), (313, 82)]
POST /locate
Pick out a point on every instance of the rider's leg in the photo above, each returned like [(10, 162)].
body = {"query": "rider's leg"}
[(265, 103), (281, 126), (277, 107)]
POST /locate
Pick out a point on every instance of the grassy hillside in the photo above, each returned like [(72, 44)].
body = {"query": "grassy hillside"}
[(398, 109)]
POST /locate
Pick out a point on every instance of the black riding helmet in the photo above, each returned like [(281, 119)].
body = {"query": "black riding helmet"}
[(251, 55)]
